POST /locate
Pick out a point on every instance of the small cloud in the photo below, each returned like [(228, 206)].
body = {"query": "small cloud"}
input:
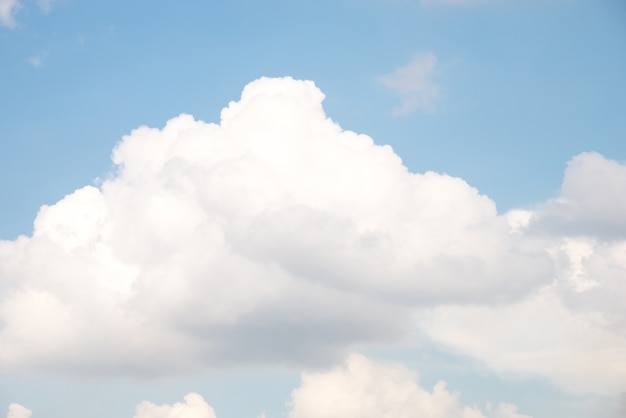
[(18, 411), (193, 407), (45, 5), (37, 60), (414, 84), (8, 8)]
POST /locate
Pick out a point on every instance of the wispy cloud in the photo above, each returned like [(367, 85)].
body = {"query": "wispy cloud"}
[(414, 85), (8, 8), (37, 60), (45, 5)]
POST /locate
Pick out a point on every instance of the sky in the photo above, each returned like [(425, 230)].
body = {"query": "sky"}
[(309, 209)]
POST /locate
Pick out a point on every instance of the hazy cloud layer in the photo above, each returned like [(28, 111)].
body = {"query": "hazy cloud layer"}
[(414, 85), (8, 9)]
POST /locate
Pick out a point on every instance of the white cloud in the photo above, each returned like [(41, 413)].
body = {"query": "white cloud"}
[(8, 8), (573, 331), (366, 389), (193, 407), (537, 337), (272, 237), (414, 84), (18, 411), (507, 410), (587, 225), (275, 237), (592, 200)]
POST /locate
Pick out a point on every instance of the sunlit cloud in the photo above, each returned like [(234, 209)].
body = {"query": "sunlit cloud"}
[(213, 244), (18, 411)]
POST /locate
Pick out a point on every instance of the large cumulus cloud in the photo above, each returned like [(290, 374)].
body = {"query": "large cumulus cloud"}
[(272, 237)]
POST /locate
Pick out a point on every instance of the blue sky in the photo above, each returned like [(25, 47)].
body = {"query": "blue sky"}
[(517, 105)]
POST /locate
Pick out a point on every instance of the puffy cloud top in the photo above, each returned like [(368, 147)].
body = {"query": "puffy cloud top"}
[(592, 200), (18, 411), (366, 389), (193, 407)]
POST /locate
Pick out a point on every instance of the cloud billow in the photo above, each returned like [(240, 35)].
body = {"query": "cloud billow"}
[(273, 237), (18, 411)]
